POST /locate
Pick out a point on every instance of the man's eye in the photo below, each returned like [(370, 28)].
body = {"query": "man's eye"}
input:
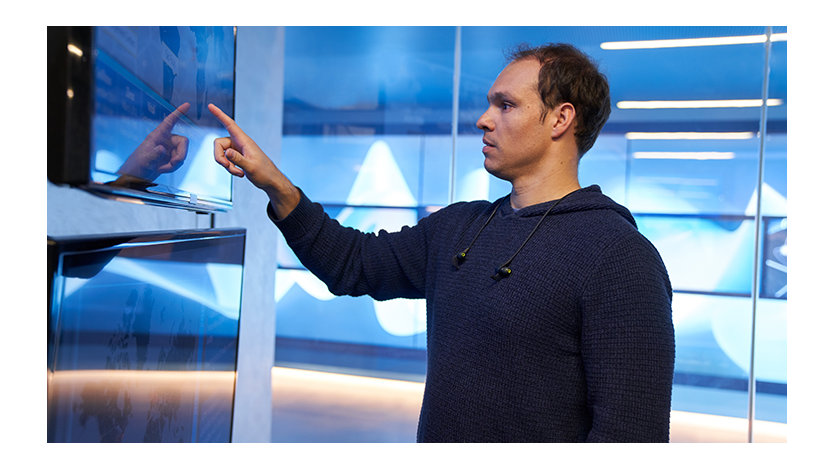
[(505, 105)]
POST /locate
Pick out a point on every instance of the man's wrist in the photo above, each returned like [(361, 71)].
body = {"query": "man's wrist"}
[(283, 198)]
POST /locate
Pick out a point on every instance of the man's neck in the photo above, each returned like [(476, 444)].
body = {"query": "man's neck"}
[(543, 188)]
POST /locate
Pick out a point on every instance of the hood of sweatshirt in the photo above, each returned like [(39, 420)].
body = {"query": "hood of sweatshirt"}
[(589, 198)]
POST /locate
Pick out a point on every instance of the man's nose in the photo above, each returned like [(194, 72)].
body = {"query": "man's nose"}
[(484, 123)]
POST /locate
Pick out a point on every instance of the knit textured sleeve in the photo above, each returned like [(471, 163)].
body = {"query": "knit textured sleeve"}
[(628, 344), (384, 265)]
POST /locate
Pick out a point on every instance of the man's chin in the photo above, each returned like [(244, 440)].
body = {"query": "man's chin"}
[(494, 171)]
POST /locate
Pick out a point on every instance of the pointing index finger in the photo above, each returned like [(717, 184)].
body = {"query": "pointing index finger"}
[(224, 119)]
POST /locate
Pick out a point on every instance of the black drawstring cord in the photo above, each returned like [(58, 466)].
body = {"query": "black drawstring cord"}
[(504, 270), (461, 257)]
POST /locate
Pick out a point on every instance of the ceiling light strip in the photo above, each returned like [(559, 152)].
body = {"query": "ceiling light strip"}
[(695, 104), (684, 155), (692, 42), (689, 135)]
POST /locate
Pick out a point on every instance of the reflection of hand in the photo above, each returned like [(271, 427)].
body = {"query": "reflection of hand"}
[(160, 152), (241, 156)]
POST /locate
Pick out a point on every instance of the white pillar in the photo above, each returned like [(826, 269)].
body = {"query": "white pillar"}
[(259, 91)]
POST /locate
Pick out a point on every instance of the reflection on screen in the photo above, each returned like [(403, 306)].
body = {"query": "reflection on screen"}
[(703, 254), (152, 129), (775, 270), (713, 345), (144, 342)]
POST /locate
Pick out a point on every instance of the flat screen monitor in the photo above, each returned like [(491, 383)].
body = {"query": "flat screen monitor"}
[(142, 336), (128, 112)]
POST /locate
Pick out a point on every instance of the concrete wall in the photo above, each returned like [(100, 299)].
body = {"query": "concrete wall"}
[(259, 98)]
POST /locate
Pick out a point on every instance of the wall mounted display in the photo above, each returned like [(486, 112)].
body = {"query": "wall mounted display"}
[(143, 335), (128, 117)]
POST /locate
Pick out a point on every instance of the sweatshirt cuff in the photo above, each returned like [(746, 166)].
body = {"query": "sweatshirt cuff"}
[(295, 224)]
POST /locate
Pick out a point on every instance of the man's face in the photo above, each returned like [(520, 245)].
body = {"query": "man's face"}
[(515, 139)]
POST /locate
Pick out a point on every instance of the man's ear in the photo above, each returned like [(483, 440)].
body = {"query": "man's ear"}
[(562, 118)]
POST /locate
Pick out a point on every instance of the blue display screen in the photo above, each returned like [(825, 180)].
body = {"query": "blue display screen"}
[(151, 128), (143, 338)]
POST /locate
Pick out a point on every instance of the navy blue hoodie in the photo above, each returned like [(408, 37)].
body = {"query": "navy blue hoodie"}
[(575, 344)]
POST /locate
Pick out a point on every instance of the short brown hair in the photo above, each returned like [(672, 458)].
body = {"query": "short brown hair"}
[(569, 76)]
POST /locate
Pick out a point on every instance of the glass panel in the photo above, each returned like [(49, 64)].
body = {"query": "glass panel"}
[(368, 112), (315, 329), (771, 313), (306, 309), (775, 259), (685, 168), (713, 342), (703, 254), (145, 340), (771, 361), (775, 194), (712, 360), (703, 176), (606, 165), (689, 73), (367, 132), (369, 170), (152, 129), (692, 156)]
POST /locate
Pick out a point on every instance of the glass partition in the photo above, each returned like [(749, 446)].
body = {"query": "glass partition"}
[(368, 113), (368, 131), (771, 348)]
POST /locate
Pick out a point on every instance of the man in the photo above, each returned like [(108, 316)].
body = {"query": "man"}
[(548, 314)]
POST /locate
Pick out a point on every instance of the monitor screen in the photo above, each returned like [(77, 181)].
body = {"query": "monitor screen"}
[(142, 336), (134, 103)]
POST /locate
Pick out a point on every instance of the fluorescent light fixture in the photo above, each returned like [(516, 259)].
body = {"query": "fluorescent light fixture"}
[(692, 42), (75, 49), (689, 135), (693, 104), (684, 155)]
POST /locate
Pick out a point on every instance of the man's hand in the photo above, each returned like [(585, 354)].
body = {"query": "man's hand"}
[(241, 156)]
